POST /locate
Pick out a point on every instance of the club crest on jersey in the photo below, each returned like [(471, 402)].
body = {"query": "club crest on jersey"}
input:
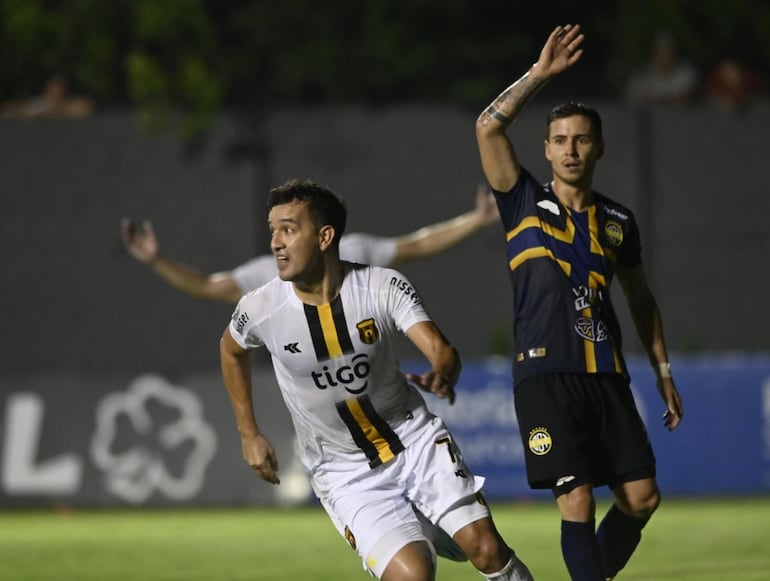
[(590, 331), (367, 332), (614, 232), (540, 442)]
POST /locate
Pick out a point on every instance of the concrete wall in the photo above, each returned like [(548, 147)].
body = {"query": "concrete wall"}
[(73, 300)]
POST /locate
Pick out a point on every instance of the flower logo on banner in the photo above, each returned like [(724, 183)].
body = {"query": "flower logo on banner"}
[(152, 438)]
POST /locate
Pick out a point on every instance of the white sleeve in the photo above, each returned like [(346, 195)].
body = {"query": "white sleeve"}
[(243, 323), (256, 272), (404, 302), (368, 249)]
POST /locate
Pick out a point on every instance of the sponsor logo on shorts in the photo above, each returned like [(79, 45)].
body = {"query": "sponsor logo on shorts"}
[(564, 480), (540, 442), (614, 232)]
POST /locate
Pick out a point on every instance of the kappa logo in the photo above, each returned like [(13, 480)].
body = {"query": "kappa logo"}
[(550, 206), (292, 348)]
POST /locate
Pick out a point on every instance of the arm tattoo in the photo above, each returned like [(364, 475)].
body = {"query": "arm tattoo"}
[(510, 102)]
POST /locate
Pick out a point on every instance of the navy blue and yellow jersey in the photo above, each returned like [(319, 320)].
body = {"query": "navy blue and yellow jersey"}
[(561, 266)]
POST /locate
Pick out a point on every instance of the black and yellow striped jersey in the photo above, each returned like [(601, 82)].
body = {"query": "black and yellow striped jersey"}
[(561, 264), (337, 365)]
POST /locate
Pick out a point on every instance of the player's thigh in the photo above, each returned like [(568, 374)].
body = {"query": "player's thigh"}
[(437, 477), (375, 518)]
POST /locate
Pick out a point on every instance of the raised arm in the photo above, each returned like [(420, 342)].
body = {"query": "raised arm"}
[(442, 356), (258, 452), (142, 243), (649, 326), (498, 157), (438, 237)]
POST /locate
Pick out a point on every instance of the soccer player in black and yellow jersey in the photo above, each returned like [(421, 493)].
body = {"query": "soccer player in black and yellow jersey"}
[(565, 243)]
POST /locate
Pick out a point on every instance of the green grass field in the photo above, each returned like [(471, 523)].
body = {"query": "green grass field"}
[(703, 540)]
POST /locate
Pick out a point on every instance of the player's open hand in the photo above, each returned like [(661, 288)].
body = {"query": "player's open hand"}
[(139, 240), (561, 51), (260, 455)]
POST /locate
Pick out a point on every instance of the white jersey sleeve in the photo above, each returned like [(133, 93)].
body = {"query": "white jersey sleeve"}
[(254, 273), (368, 249)]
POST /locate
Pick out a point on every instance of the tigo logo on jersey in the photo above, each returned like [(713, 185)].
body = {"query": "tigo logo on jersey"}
[(540, 441), (346, 375)]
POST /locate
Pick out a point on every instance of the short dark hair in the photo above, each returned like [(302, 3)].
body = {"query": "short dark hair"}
[(326, 207), (575, 108)]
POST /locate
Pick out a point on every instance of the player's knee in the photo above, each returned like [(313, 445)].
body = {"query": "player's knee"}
[(488, 553), (643, 505), (577, 505), (649, 504)]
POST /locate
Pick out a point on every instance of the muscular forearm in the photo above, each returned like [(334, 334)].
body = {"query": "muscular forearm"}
[(498, 157), (236, 374), (449, 363), (507, 106)]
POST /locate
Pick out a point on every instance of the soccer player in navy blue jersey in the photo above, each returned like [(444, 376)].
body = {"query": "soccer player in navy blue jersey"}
[(565, 243)]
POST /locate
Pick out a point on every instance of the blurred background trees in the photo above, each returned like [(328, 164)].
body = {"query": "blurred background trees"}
[(199, 56)]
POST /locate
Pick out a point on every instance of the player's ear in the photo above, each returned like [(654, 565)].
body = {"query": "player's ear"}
[(546, 147), (325, 236)]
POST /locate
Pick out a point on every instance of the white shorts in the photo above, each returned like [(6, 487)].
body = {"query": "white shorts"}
[(375, 512)]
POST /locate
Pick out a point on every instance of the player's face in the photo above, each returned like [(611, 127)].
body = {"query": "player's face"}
[(573, 149), (295, 240)]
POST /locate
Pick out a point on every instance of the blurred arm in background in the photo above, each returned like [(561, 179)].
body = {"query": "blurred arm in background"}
[(141, 242)]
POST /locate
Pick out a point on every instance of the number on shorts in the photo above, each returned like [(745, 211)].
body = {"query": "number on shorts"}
[(450, 448)]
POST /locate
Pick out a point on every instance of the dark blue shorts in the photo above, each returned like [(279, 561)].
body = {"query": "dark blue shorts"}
[(579, 429)]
